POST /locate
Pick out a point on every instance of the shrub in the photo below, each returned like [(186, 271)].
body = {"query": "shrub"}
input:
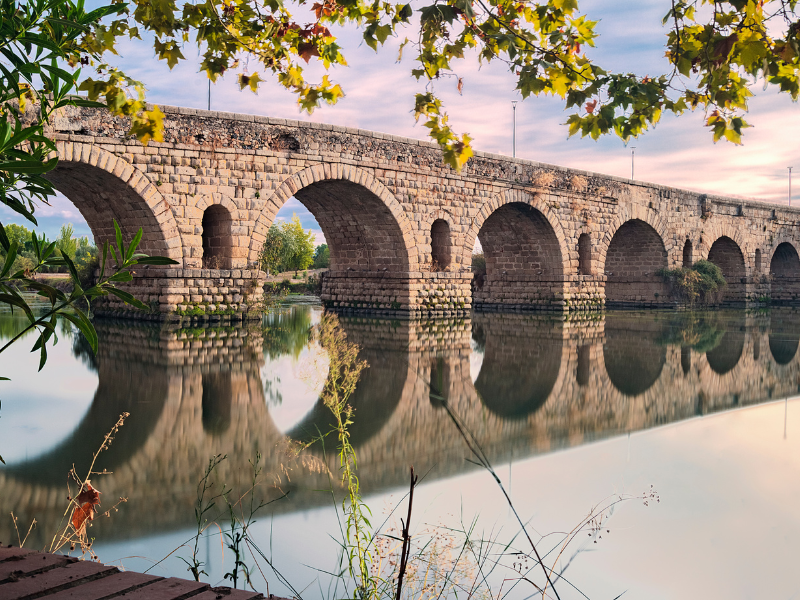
[(702, 282)]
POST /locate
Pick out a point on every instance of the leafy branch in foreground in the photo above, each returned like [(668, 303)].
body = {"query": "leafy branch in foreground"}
[(66, 306)]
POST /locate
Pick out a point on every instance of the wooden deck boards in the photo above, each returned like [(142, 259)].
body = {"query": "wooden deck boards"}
[(26, 575)]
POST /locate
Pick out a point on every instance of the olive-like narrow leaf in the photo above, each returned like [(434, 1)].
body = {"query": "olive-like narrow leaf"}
[(10, 258), (156, 260), (85, 326)]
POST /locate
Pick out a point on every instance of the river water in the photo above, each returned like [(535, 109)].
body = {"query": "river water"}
[(687, 425)]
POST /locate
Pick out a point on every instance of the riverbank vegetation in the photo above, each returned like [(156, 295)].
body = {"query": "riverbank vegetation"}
[(701, 283)]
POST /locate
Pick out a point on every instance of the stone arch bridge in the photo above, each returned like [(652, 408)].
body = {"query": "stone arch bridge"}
[(401, 226)]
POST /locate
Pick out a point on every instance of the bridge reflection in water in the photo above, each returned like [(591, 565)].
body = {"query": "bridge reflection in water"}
[(543, 384)]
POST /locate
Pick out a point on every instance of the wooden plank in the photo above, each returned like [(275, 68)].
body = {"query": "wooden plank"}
[(34, 562), (54, 580), (11, 552), (106, 587), (226, 593), (166, 589)]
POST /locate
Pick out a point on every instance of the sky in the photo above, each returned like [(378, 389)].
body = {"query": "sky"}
[(380, 94)]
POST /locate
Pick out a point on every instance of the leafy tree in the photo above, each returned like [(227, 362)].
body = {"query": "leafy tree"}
[(272, 251), (301, 244), (66, 243), (17, 233), (322, 257), (715, 61), (287, 247)]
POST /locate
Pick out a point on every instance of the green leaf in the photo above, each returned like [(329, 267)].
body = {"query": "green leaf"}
[(120, 244), (134, 243), (156, 260), (10, 258), (81, 321), (127, 298)]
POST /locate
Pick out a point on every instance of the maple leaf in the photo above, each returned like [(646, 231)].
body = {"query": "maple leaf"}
[(307, 50), (86, 501)]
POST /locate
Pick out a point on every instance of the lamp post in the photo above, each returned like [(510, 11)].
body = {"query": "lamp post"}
[(514, 129), (790, 185), (633, 149), (209, 93)]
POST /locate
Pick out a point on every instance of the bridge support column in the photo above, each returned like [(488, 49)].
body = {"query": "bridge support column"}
[(413, 293), (189, 292)]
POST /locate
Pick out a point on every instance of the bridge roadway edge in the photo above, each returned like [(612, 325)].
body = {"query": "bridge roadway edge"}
[(379, 196)]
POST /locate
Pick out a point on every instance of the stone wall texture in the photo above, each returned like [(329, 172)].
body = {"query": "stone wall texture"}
[(402, 226)]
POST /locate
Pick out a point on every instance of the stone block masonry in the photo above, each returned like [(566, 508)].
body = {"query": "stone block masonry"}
[(400, 225)]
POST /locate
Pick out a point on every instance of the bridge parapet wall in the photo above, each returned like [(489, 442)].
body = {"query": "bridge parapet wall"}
[(381, 200)]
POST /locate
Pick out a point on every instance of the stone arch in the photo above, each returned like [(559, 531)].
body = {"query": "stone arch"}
[(507, 197), (784, 267), (631, 261), (630, 213), (687, 258), (727, 254), (783, 346), (217, 226), (525, 251), (442, 234), (584, 254), (104, 187), (365, 226)]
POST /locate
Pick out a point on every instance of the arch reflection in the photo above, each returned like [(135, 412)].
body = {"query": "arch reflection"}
[(522, 358), (726, 354), (632, 353)]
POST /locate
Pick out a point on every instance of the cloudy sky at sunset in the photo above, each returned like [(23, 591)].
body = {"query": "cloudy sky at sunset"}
[(379, 96)]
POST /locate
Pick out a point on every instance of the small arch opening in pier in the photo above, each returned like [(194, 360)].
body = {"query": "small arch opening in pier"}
[(216, 403), (726, 254), (217, 238), (687, 255), (440, 245), (439, 382), (584, 254), (757, 263), (584, 370), (634, 257)]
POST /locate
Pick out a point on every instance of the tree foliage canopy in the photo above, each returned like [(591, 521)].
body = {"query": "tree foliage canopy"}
[(718, 52), (287, 248)]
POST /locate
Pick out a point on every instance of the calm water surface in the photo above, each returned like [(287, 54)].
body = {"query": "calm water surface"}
[(700, 406)]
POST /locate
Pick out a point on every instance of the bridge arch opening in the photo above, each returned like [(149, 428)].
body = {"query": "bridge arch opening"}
[(584, 254), (785, 270), (361, 232), (217, 238), (634, 256), (726, 254), (102, 197), (441, 245), (687, 255), (522, 257)]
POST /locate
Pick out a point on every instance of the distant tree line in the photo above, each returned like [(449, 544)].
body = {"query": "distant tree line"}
[(80, 249)]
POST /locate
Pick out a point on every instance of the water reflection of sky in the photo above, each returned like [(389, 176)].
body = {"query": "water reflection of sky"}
[(63, 391)]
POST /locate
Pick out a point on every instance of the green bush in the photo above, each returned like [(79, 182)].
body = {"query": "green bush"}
[(701, 283)]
